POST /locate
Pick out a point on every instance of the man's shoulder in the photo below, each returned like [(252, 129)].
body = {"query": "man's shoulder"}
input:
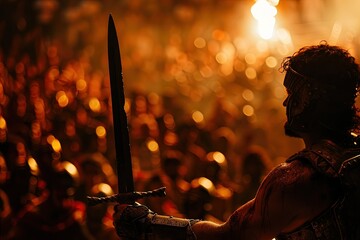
[(299, 187), (288, 196), (297, 182), (292, 174)]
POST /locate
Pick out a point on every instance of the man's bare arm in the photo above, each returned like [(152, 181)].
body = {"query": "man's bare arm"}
[(287, 198)]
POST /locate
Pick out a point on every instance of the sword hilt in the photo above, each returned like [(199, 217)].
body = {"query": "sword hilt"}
[(127, 197)]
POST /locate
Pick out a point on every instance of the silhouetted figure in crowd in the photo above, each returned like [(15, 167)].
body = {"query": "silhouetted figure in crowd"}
[(98, 217), (198, 200), (214, 167), (255, 166), (57, 215), (5, 208), (170, 175), (15, 153), (94, 169)]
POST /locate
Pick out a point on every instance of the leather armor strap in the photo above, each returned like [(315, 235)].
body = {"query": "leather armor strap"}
[(326, 157)]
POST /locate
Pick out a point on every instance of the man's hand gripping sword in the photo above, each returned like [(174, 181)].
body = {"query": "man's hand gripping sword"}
[(126, 193)]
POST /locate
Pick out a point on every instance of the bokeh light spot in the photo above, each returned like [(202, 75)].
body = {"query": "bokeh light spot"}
[(95, 105), (248, 110), (198, 117), (100, 131)]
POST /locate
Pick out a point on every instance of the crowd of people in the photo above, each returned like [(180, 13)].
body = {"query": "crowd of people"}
[(202, 103), (46, 176)]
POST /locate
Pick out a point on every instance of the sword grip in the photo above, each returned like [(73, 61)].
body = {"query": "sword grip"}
[(127, 197)]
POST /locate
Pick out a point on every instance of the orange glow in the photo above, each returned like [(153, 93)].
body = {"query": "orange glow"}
[(248, 95), (169, 121), (248, 110), (198, 117), (100, 131), (95, 105), (206, 71), (53, 73), (219, 157), (153, 146), (250, 58), (34, 168), (219, 35), (63, 101), (204, 182), (127, 105), (271, 62), (50, 139), (81, 85), (250, 73), (2, 123), (170, 138), (200, 42), (55, 144), (104, 188), (70, 168)]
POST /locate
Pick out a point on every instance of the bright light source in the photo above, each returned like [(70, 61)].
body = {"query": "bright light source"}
[(266, 27), (264, 12), (262, 9)]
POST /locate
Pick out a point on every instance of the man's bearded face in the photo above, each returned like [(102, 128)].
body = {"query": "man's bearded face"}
[(296, 102)]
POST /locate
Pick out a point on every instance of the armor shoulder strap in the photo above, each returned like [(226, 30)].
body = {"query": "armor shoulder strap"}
[(350, 171), (326, 157)]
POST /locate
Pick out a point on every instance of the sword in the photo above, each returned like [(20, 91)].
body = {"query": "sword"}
[(126, 193)]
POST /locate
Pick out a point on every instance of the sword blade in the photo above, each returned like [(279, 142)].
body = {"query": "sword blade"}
[(121, 133)]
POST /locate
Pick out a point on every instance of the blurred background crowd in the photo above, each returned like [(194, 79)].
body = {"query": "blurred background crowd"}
[(203, 99)]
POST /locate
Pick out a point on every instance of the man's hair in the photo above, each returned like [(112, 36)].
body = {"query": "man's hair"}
[(333, 78)]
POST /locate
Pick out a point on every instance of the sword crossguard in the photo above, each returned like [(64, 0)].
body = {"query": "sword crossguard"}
[(127, 197)]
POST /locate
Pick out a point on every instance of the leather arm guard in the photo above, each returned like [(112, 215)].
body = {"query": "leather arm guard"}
[(167, 227), (137, 221)]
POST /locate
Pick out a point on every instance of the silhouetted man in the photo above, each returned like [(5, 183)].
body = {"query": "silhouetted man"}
[(312, 195)]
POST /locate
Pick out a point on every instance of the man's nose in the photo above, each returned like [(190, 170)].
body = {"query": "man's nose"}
[(285, 102)]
